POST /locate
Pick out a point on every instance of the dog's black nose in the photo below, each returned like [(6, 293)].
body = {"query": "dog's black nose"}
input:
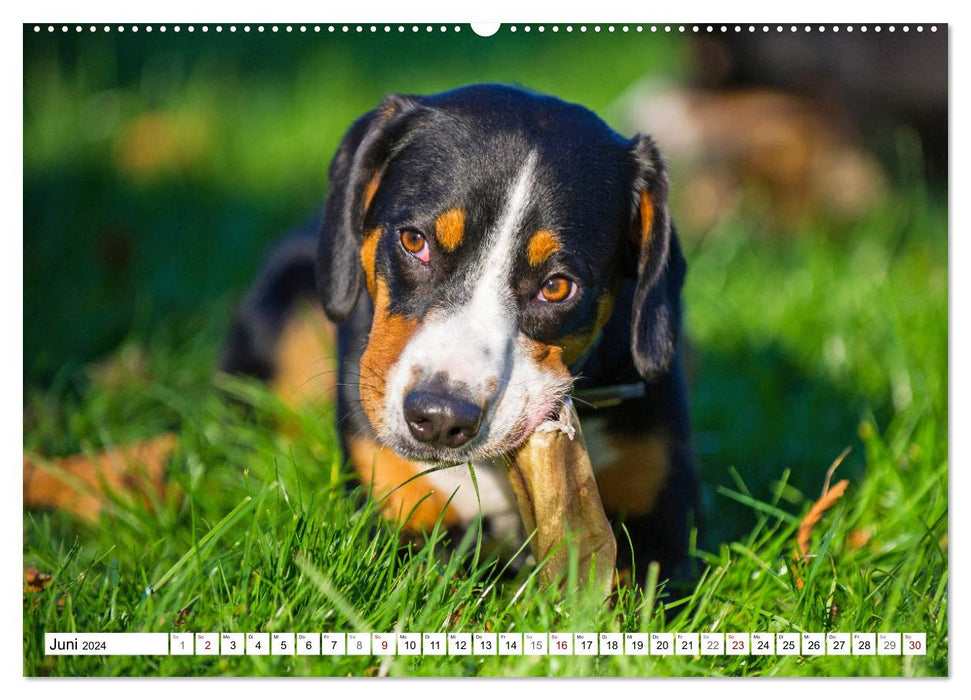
[(440, 418)]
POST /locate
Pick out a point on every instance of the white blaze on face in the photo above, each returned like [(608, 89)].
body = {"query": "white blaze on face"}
[(477, 345)]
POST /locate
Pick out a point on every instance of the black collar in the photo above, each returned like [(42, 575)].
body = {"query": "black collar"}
[(604, 396), (613, 395)]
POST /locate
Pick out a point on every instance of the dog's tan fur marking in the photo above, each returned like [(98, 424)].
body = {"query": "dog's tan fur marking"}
[(575, 345), (541, 246), (647, 220), (549, 357), (369, 252), (370, 190), (450, 228), (631, 481), (389, 335), (381, 471), (304, 359)]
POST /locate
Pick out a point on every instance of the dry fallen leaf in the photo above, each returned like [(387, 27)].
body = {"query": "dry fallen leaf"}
[(35, 581), (858, 538), (181, 617), (81, 484), (813, 516), (825, 502), (805, 530), (456, 616)]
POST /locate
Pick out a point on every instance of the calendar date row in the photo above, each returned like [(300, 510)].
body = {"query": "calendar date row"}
[(489, 644)]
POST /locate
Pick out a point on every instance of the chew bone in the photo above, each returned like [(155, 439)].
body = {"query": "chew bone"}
[(551, 477)]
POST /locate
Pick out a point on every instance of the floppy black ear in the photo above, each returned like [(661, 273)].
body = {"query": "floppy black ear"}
[(355, 173), (656, 323)]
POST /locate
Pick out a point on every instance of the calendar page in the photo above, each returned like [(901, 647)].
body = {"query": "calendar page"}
[(386, 349)]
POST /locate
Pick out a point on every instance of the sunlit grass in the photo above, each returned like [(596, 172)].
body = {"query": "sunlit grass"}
[(772, 409), (800, 345)]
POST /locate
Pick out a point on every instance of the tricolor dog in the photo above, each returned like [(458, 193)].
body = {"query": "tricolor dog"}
[(487, 253)]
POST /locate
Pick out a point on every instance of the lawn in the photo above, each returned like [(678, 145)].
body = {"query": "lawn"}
[(801, 343)]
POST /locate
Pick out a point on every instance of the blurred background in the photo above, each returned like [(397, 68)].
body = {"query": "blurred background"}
[(808, 183)]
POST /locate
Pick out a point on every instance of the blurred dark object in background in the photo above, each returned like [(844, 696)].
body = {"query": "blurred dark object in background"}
[(798, 124), (778, 155), (884, 80)]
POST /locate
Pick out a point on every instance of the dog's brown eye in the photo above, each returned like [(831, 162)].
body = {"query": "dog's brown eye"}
[(414, 242), (557, 289)]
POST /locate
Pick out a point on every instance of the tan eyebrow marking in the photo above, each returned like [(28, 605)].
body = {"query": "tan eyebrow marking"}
[(450, 228), (541, 246)]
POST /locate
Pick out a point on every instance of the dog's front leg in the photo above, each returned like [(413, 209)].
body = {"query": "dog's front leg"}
[(560, 505)]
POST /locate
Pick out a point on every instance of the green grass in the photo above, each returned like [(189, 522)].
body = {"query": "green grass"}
[(242, 128), (800, 345), (772, 406)]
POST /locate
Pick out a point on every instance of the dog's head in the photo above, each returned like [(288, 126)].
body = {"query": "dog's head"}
[(491, 227)]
